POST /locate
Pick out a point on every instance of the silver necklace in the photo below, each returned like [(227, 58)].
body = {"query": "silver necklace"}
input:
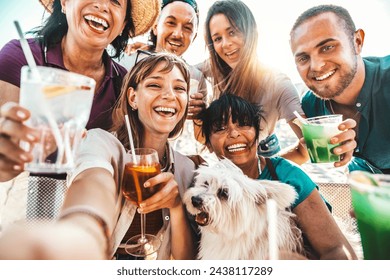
[(259, 166)]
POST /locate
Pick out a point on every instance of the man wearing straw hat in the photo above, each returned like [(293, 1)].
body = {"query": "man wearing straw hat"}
[(74, 37)]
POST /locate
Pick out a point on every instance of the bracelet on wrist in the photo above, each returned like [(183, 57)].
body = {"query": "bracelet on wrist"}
[(91, 212)]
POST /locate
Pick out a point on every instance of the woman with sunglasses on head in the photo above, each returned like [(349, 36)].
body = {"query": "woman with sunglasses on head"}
[(155, 97), (74, 38)]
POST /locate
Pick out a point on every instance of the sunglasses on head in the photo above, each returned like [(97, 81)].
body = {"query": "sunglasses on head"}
[(141, 54)]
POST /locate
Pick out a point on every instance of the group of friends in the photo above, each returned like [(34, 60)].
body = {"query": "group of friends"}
[(248, 99)]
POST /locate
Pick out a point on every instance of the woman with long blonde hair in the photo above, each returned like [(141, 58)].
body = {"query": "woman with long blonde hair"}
[(232, 38)]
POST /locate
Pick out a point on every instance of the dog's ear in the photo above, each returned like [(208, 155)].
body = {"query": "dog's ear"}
[(282, 193), (254, 188), (260, 200)]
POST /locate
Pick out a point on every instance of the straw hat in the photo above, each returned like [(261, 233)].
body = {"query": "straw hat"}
[(143, 12)]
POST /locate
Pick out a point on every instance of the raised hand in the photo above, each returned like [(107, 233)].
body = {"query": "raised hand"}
[(12, 130), (347, 142)]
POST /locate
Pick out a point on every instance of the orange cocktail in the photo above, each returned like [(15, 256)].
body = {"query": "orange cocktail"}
[(134, 177)]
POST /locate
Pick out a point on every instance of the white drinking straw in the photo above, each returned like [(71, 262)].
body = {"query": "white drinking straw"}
[(25, 47), (272, 229), (33, 67), (130, 138)]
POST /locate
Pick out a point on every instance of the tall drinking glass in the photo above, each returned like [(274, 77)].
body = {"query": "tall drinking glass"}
[(317, 132), (371, 205), (60, 104), (141, 167)]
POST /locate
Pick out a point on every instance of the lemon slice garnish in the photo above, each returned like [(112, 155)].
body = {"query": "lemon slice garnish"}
[(56, 90), (53, 91)]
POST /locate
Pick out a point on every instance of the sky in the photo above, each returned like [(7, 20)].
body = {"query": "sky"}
[(274, 19)]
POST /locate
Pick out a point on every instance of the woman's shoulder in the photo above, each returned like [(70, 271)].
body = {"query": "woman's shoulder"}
[(275, 80), (286, 165), (121, 66), (98, 136), (12, 59), (290, 173)]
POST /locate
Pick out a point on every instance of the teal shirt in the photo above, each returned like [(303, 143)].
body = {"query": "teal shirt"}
[(290, 173), (373, 151)]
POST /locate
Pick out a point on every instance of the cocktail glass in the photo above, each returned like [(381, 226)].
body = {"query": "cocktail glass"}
[(141, 167), (317, 132), (371, 205), (60, 104)]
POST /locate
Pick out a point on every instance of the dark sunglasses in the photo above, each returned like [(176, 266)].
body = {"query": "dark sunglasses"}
[(141, 54)]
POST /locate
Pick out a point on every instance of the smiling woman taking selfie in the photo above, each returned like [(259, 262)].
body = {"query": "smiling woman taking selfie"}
[(74, 38)]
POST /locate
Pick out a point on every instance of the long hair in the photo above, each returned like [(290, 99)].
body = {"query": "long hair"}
[(246, 79), (138, 73), (229, 105), (56, 27)]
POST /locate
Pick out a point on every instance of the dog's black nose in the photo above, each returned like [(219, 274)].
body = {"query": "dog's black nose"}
[(196, 201)]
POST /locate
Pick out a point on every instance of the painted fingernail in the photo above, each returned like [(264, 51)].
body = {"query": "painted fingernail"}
[(23, 157), (21, 114), (17, 167), (30, 137), (337, 151)]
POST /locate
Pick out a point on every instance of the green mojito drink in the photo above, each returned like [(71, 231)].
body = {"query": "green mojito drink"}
[(317, 133), (371, 204)]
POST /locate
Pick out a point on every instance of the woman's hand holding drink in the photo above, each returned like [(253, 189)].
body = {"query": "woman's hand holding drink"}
[(143, 165)]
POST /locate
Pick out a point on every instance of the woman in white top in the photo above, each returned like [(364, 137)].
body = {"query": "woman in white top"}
[(95, 216)]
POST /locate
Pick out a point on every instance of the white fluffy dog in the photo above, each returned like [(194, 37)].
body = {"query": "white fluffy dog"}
[(231, 210)]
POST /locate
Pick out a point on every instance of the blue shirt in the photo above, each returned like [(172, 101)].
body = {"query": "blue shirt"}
[(290, 173), (373, 140)]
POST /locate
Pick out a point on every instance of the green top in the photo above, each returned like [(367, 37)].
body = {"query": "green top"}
[(290, 173), (373, 151)]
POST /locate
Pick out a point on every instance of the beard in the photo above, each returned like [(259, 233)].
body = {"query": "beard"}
[(329, 92)]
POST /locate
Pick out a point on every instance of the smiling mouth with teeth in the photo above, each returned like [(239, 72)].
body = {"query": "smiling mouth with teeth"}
[(231, 53), (176, 45), (236, 148), (325, 76), (96, 23), (165, 110)]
